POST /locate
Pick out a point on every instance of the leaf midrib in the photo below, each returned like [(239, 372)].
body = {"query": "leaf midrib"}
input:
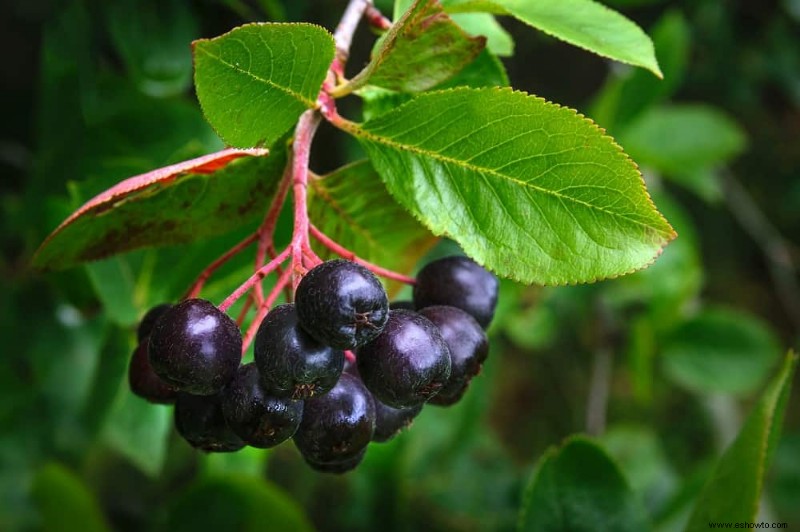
[(358, 130), (288, 91)]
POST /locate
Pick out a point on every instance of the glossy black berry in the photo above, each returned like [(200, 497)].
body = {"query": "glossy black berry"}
[(200, 421), (408, 363), (449, 397), (402, 304), (390, 421), (257, 417), (339, 466), (291, 362), (143, 380), (337, 426), (458, 282), (466, 342), (149, 319), (341, 304), (195, 347)]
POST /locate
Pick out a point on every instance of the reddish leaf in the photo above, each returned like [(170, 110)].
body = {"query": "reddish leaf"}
[(178, 203)]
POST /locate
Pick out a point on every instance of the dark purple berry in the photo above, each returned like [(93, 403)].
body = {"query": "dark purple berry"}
[(449, 397), (337, 426), (143, 380), (195, 347), (149, 319), (291, 362), (466, 341), (258, 418), (390, 421), (408, 363), (458, 282), (341, 304), (200, 421), (338, 467)]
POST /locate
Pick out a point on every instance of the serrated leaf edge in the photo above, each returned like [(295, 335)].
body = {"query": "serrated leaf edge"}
[(134, 184), (357, 130), (309, 104)]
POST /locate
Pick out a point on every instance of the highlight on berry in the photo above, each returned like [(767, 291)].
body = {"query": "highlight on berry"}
[(334, 370)]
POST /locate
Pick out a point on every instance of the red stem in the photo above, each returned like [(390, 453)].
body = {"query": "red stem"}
[(304, 134), (349, 255), (243, 313), (350, 356), (255, 278), (375, 18), (264, 309), (266, 231), (197, 286)]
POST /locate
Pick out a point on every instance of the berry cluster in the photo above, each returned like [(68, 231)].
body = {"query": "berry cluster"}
[(334, 370)]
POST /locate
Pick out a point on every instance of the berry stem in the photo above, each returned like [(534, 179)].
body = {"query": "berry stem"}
[(349, 255), (375, 18), (197, 286), (245, 309), (264, 308), (350, 356), (304, 134), (266, 231), (255, 278)]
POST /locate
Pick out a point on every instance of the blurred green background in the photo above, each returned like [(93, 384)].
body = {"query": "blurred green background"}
[(661, 365)]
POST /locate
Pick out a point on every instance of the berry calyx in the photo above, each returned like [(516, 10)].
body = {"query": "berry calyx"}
[(408, 363), (467, 344), (291, 362), (195, 347), (458, 282), (143, 380), (341, 304), (258, 418), (199, 419), (337, 426)]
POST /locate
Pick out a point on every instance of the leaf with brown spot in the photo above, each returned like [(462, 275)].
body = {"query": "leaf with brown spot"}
[(180, 203)]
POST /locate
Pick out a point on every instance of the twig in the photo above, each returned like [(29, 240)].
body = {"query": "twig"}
[(264, 309), (349, 255), (197, 286), (256, 277)]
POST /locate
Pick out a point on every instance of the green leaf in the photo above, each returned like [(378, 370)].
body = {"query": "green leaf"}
[(583, 23), (352, 206), (579, 488), (238, 503), (114, 282), (421, 50), (65, 503), (627, 94), (733, 492), (255, 81), (721, 350), (139, 430), (683, 140), (642, 459), (498, 40), (531, 190), (179, 203), (485, 71)]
